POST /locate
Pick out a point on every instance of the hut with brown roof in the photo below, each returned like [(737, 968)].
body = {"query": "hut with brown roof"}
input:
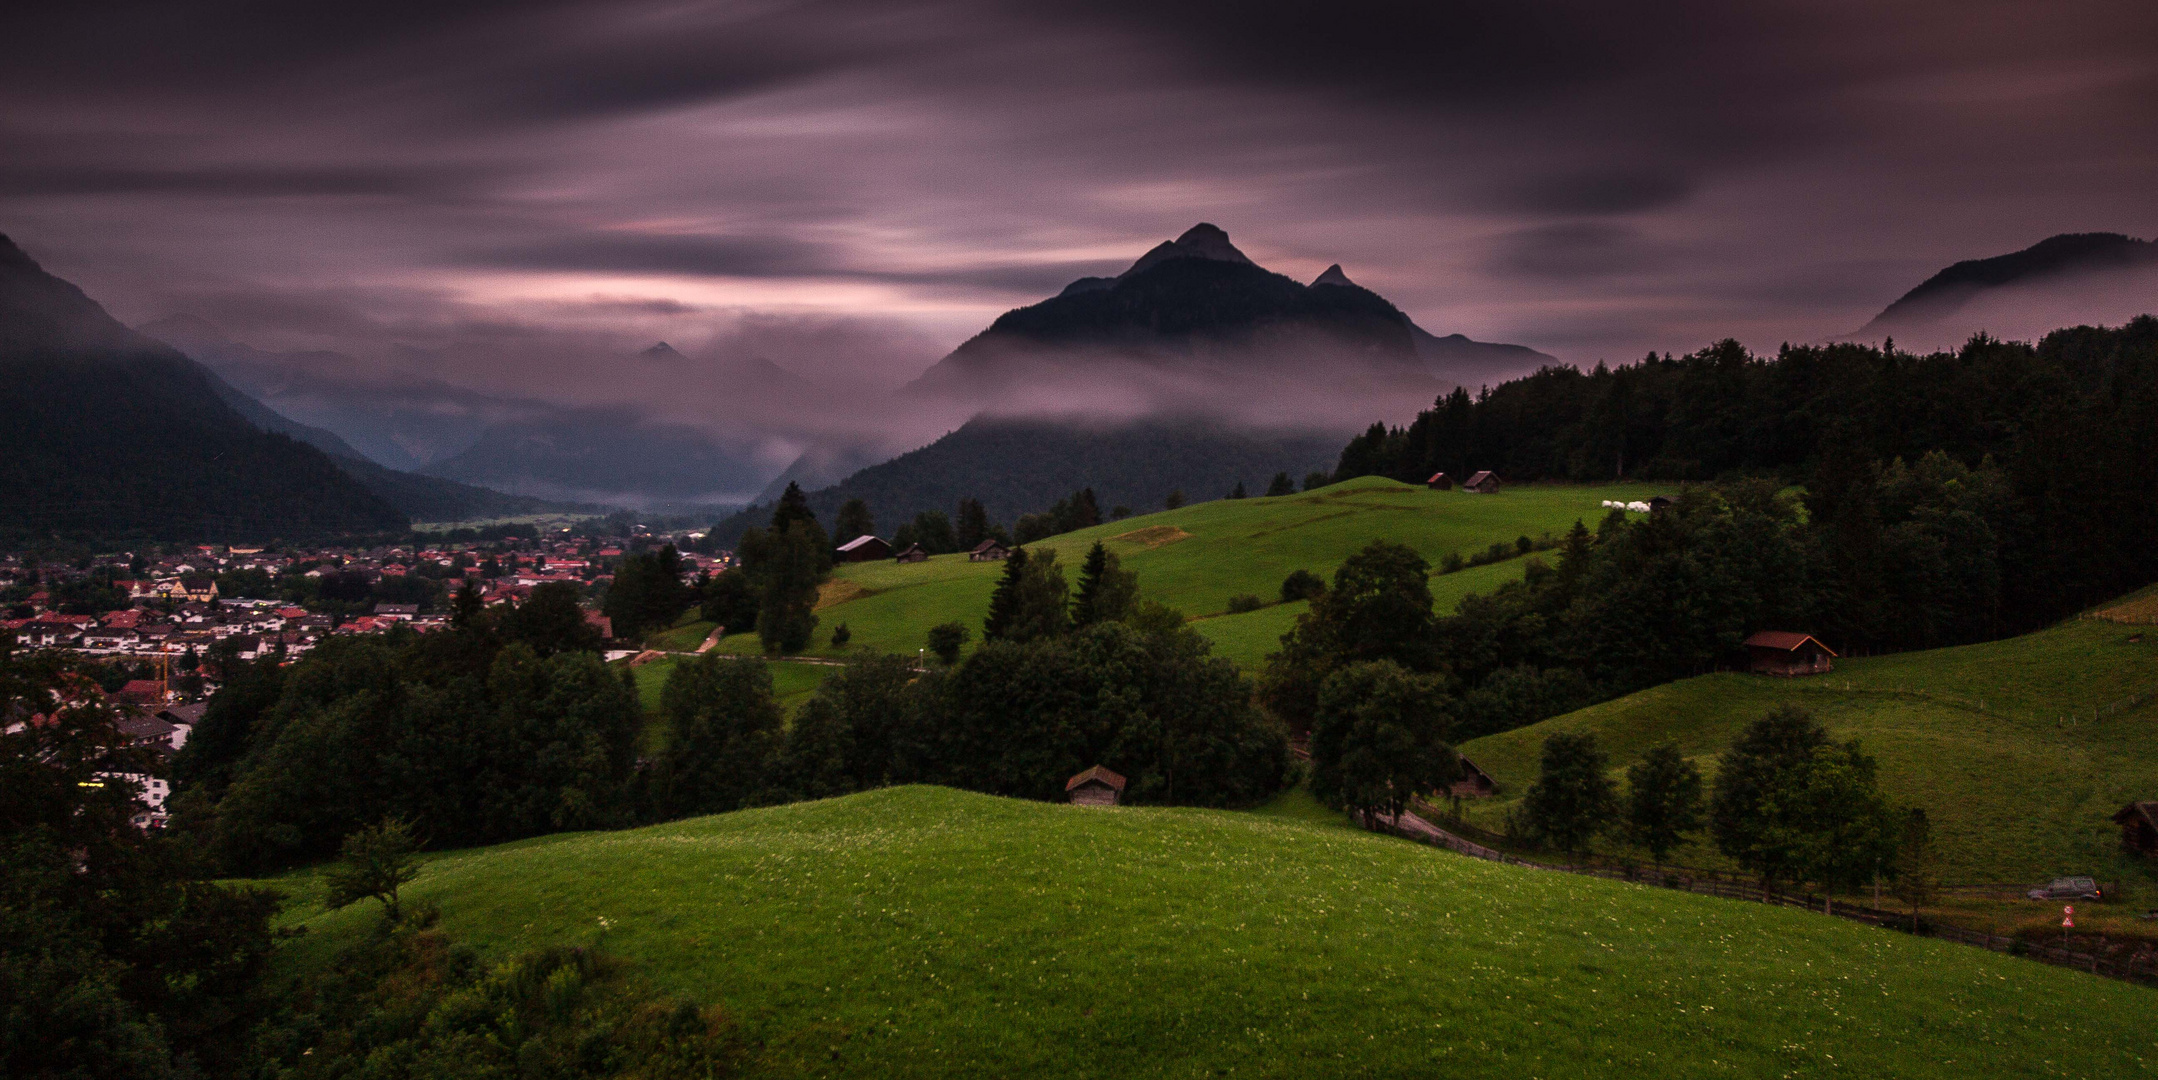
[(1095, 787), (863, 549), (1781, 652), (1440, 482), (988, 551), (912, 553), (1483, 483), (1475, 783), (2139, 827)]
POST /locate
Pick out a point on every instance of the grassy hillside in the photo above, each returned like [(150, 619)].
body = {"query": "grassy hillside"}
[(929, 932), (1997, 741), (1196, 558)]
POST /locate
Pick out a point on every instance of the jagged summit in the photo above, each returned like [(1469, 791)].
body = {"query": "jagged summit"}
[(1333, 276), (1201, 241), (662, 351)]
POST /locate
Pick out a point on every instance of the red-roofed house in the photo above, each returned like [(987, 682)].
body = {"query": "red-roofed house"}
[(143, 692), (1782, 652)]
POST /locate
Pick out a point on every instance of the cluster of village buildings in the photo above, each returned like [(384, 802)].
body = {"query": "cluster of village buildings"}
[(176, 615)]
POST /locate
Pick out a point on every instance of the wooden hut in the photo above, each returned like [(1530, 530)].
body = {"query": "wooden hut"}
[(1475, 783), (863, 549), (911, 553), (2139, 827), (1440, 482), (1781, 652), (1095, 787), (1483, 483), (988, 551)]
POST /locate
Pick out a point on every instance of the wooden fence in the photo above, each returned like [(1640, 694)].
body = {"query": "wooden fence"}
[(2138, 967)]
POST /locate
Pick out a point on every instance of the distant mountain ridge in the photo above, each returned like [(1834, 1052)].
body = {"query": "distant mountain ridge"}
[(1195, 369), (1017, 466), (113, 436), (2064, 258), (1202, 312)]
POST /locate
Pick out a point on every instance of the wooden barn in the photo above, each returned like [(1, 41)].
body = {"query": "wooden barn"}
[(988, 551), (1781, 652), (1475, 783), (2139, 827), (863, 549), (911, 553), (1483, 483), (1440, 482), (1095, 787)]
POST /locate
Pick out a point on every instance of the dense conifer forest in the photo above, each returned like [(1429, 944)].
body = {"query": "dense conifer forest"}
[(1947, 498)]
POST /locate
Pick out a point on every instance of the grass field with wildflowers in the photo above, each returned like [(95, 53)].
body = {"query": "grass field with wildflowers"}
[(935, 933)]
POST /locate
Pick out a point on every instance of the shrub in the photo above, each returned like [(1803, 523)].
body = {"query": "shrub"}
[(841, 635), (1244, 602), (1301, 585), (946, 639), (1452, 563)]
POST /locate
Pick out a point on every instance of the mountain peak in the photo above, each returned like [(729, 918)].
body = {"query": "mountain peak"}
[(1333, 276), (1201, 241), (662, 351), (2055, 257)]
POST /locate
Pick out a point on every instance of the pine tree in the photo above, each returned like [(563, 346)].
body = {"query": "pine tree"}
[(1238, 491), (854, 520), (973, 524), (1282, 485), (1106, 589), (466, 606), (793, 506), (1003, 602)]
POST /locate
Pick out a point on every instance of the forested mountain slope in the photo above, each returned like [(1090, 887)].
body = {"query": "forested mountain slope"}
[(113, 436)]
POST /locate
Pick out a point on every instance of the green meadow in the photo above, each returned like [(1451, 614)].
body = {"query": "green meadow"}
[(1195, 558), (1997, 742), (934, 933)]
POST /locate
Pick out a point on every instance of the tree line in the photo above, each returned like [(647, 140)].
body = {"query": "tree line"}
[(1789, 805), (508, 725), (1953, 496)]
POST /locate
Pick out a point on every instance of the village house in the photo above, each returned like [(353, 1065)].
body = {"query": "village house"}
[(863, 549), (397, 612), (2139, 827), (988, 551), (1440, 482), (912, 553), (1095, 787), (1781, 652), (1483, 483)]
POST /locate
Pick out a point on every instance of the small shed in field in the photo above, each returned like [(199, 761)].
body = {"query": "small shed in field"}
[(1483, 483), (1781, 652), (911, 553), (1475, 783), (1440, 482), (988, 551), (2139, 827), (863, 549), (1095, 787)]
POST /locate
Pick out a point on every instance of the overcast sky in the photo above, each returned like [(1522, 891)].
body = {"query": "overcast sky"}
[(858, 186)]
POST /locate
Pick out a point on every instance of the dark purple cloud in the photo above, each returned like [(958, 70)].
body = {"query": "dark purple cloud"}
[(513, 193)]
